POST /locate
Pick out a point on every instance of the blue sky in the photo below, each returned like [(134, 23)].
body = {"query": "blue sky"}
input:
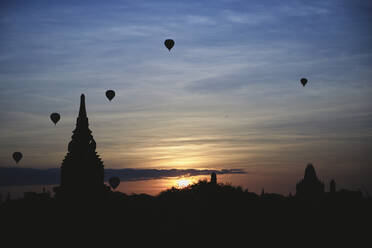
[(226, 96)]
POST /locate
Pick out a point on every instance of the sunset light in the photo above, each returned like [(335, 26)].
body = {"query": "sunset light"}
[(202, 121), (183, 182)]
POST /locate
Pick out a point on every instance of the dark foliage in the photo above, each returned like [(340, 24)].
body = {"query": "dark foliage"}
[(202, 210)]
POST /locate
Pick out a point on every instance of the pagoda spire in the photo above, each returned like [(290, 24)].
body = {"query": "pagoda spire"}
[(82, 133), (82, 111)]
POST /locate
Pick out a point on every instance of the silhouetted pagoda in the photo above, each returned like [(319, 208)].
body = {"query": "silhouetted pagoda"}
[(213, 178), (82, 172), (332, 187), (310, 186)]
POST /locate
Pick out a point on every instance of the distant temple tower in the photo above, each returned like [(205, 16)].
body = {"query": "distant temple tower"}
[(310, 186), (332, 187), (82, 172), (213, 178)]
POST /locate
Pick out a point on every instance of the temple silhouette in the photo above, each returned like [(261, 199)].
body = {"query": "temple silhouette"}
[(82, 170), (310, 187)]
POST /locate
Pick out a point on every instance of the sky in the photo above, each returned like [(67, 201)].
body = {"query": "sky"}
[(227, 96)]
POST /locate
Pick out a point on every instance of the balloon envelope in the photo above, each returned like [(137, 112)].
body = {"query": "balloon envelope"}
[(55, 117), (110, 94), (17, 156), (169, 43), (303, 81), (114, 182)]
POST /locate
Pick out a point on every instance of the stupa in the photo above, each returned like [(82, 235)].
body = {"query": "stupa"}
[(310, 186), (82, 170)]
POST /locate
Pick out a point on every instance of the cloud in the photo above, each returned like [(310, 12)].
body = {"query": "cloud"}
[(201, 20), (28, 176), (132, 30), (305, 10), (253, 18)]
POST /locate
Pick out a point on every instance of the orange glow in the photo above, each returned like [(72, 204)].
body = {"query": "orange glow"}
[(183, 182)]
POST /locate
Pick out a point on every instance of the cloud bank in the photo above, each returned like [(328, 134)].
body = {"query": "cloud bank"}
[(28, 176)]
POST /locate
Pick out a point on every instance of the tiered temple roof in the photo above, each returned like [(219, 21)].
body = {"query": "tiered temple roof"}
[(82, 171)]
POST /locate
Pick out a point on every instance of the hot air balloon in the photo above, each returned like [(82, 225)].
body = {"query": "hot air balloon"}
[(169, 44), (17, 156), (110, 94), (303, 81), (114, 182), (55, 117)]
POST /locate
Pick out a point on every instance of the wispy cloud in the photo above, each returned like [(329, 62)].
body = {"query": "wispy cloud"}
[(200, 20), (314, 9), (252, 18)]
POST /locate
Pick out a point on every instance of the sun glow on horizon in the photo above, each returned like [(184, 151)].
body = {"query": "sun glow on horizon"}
[(183, 182)]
